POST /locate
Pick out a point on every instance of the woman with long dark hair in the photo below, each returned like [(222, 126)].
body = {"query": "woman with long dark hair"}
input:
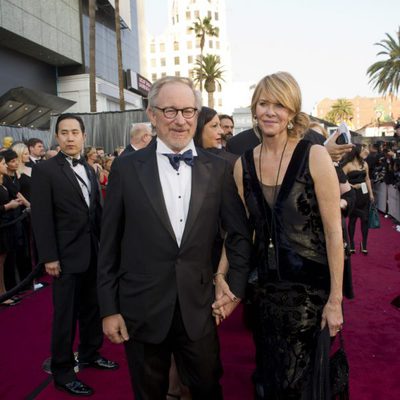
[(208, 134), (356, 169)]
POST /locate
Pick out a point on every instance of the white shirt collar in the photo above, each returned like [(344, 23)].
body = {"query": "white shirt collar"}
[(162, 148)]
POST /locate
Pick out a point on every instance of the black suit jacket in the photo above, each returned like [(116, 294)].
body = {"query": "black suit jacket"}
[(142, 271), (242, 142), (65, 228), (128, 150)]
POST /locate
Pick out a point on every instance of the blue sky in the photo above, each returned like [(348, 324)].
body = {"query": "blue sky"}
[(326, 45)]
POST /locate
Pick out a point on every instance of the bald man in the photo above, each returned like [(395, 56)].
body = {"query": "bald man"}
[(140, 136)]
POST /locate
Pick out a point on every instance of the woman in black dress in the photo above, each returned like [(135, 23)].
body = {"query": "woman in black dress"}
[(356, 169), (24, 172), (291, 191), (7, 204)]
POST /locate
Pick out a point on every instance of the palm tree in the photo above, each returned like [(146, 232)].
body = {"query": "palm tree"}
[(92, 55), (385, 74), (203, 28), (341, 110), (209, 70), (119, 57)]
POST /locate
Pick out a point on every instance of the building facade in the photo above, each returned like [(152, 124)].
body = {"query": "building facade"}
[(175, 52), (44, 46), (368, 111)]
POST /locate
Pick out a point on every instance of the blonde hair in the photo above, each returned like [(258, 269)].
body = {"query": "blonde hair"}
[(19, 148), (282, 88)]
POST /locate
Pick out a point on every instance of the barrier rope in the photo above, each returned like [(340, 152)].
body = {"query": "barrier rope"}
[(37, 271), (24, 214)]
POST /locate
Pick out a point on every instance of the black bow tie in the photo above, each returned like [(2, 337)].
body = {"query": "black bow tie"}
[(76, 161), (176, 158)]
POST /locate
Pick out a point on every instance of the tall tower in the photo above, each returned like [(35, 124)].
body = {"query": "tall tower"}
[(175, 51)]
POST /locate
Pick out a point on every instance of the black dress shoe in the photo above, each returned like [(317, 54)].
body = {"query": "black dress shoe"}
[(101, 363), (75, 388)]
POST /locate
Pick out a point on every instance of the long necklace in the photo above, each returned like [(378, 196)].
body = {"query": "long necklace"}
[(271, 247)]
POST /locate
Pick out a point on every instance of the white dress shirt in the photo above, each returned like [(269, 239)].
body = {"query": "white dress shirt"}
[(176, 187), (80, 170)]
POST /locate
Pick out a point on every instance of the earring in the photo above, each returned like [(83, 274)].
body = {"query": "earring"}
[(290, 125), (254, 116)]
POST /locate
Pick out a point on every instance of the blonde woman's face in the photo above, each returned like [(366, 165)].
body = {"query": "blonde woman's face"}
[(25, 156), (272, 117)]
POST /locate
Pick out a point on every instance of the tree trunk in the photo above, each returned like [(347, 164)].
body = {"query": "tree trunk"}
[(211, 99), (92, 55), (119, 57)]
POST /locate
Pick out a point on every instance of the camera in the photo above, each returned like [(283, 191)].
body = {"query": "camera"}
[(344, 137)]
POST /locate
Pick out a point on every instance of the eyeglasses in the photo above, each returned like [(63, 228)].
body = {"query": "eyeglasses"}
[(171, 112)]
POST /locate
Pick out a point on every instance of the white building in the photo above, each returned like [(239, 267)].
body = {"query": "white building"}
[(175, 51)]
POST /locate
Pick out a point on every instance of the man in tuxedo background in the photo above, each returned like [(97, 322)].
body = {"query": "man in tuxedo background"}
[(66, 213), (155, 276), (140, 136), (36, 151)]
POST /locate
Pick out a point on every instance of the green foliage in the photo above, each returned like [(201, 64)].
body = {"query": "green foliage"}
[(385, 75), (209, 70), (341, 110)]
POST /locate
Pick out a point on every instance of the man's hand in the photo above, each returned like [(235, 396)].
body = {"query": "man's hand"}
[(53, 268), (115, 329), (337, 151)]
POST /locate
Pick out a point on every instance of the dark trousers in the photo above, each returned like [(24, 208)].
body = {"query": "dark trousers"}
[(74, 299), (198, 363)]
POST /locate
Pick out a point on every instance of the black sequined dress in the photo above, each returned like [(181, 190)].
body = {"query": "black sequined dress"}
[(293, 292)]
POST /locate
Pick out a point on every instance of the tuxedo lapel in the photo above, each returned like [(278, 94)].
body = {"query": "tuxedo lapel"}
[(69, 173), (201, 174), (149, 178)]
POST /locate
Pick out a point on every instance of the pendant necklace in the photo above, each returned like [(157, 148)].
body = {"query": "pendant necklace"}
[(271, 254)]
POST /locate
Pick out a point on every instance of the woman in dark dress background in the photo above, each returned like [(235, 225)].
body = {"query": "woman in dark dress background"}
[(24, 172), (7, 205), (356, 169), (291, 191), (209, 133)]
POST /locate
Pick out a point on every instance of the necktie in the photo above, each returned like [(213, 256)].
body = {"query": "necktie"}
[(176, 158)]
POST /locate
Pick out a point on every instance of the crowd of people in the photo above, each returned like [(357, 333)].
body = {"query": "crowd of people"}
[(195, 220)]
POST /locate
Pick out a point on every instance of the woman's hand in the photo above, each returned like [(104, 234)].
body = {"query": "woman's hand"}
[(12, 204), (333, 316), (23, 200)]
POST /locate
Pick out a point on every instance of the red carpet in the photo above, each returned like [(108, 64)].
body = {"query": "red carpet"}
[(371, 338)]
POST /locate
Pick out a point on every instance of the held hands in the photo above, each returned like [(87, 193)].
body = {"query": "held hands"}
[(22, 200), (333, 316), (225, 302), (115, 329), (53, 268), (13, 204)]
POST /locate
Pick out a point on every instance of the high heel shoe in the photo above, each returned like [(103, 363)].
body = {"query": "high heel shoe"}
[(10, 302), (363, 251), (352, 251)]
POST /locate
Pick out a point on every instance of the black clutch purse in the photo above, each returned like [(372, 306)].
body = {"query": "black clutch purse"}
[(339, 373)]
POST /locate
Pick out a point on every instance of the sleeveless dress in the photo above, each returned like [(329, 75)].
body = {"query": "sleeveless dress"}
[(361, 207), (293, 291)]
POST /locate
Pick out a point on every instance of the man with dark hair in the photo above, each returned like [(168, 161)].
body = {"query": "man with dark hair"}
[(227, 125), (66, 213), (36, 151)]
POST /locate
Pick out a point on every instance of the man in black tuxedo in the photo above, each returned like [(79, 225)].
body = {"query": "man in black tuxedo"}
[(66, 214), (36, 151), (242, 142), (140, 136), (163, 207)]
